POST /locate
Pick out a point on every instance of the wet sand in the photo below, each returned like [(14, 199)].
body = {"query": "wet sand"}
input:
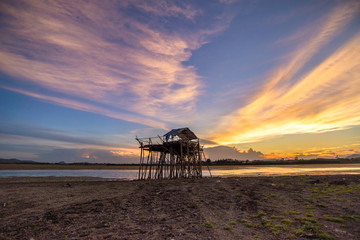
[(288, 207)]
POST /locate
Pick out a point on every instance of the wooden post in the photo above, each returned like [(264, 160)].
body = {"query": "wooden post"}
[(180, 157)]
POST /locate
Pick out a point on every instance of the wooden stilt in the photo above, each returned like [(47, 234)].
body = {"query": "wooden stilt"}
[(177, 154)]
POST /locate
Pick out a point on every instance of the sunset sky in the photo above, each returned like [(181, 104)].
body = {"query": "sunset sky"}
[(79, 80)]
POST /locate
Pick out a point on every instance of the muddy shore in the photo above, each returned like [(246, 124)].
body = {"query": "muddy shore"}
[(287, 207)]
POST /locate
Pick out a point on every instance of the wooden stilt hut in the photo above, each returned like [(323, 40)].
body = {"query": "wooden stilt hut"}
[(177, 154)]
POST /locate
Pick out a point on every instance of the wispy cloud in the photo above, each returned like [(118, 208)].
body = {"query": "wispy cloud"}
[(122, 54), (50, 145), (92, 108), (167, 8), (51, 134), (323, 99), (87, 155)]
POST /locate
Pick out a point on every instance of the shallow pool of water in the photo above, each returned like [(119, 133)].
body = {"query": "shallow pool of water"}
[(221, 171)]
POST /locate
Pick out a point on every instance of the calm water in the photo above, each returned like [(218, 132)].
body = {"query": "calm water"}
[(274, 170), (278, 170)]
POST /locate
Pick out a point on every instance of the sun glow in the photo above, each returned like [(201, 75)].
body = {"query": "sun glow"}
[(324, 99)]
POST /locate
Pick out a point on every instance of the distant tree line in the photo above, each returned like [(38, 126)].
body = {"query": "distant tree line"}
[(229, 161), (208, 162)]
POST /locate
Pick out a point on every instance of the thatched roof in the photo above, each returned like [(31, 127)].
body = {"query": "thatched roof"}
[(182, 133)]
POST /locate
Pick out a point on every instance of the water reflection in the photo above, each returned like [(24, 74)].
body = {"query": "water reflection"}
[(221, 171), (124, 174), (278, 170)]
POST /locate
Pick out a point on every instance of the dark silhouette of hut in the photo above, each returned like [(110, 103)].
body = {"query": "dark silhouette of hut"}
[(177, 154)]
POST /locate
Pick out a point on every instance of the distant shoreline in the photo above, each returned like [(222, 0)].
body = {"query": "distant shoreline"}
[(74, 166)]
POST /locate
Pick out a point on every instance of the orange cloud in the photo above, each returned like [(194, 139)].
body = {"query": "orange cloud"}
[(323, 99), (126, 152), (312, 154)]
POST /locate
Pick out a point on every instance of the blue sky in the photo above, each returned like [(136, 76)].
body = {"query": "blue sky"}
[(79, 80)]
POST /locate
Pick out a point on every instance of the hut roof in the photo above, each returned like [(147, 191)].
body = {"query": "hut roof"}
[(183, 133)]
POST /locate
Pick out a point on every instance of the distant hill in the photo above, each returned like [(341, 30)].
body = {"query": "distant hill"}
[(16, 161)]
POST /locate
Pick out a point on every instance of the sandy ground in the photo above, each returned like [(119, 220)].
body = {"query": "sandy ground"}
[(302, 207)]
